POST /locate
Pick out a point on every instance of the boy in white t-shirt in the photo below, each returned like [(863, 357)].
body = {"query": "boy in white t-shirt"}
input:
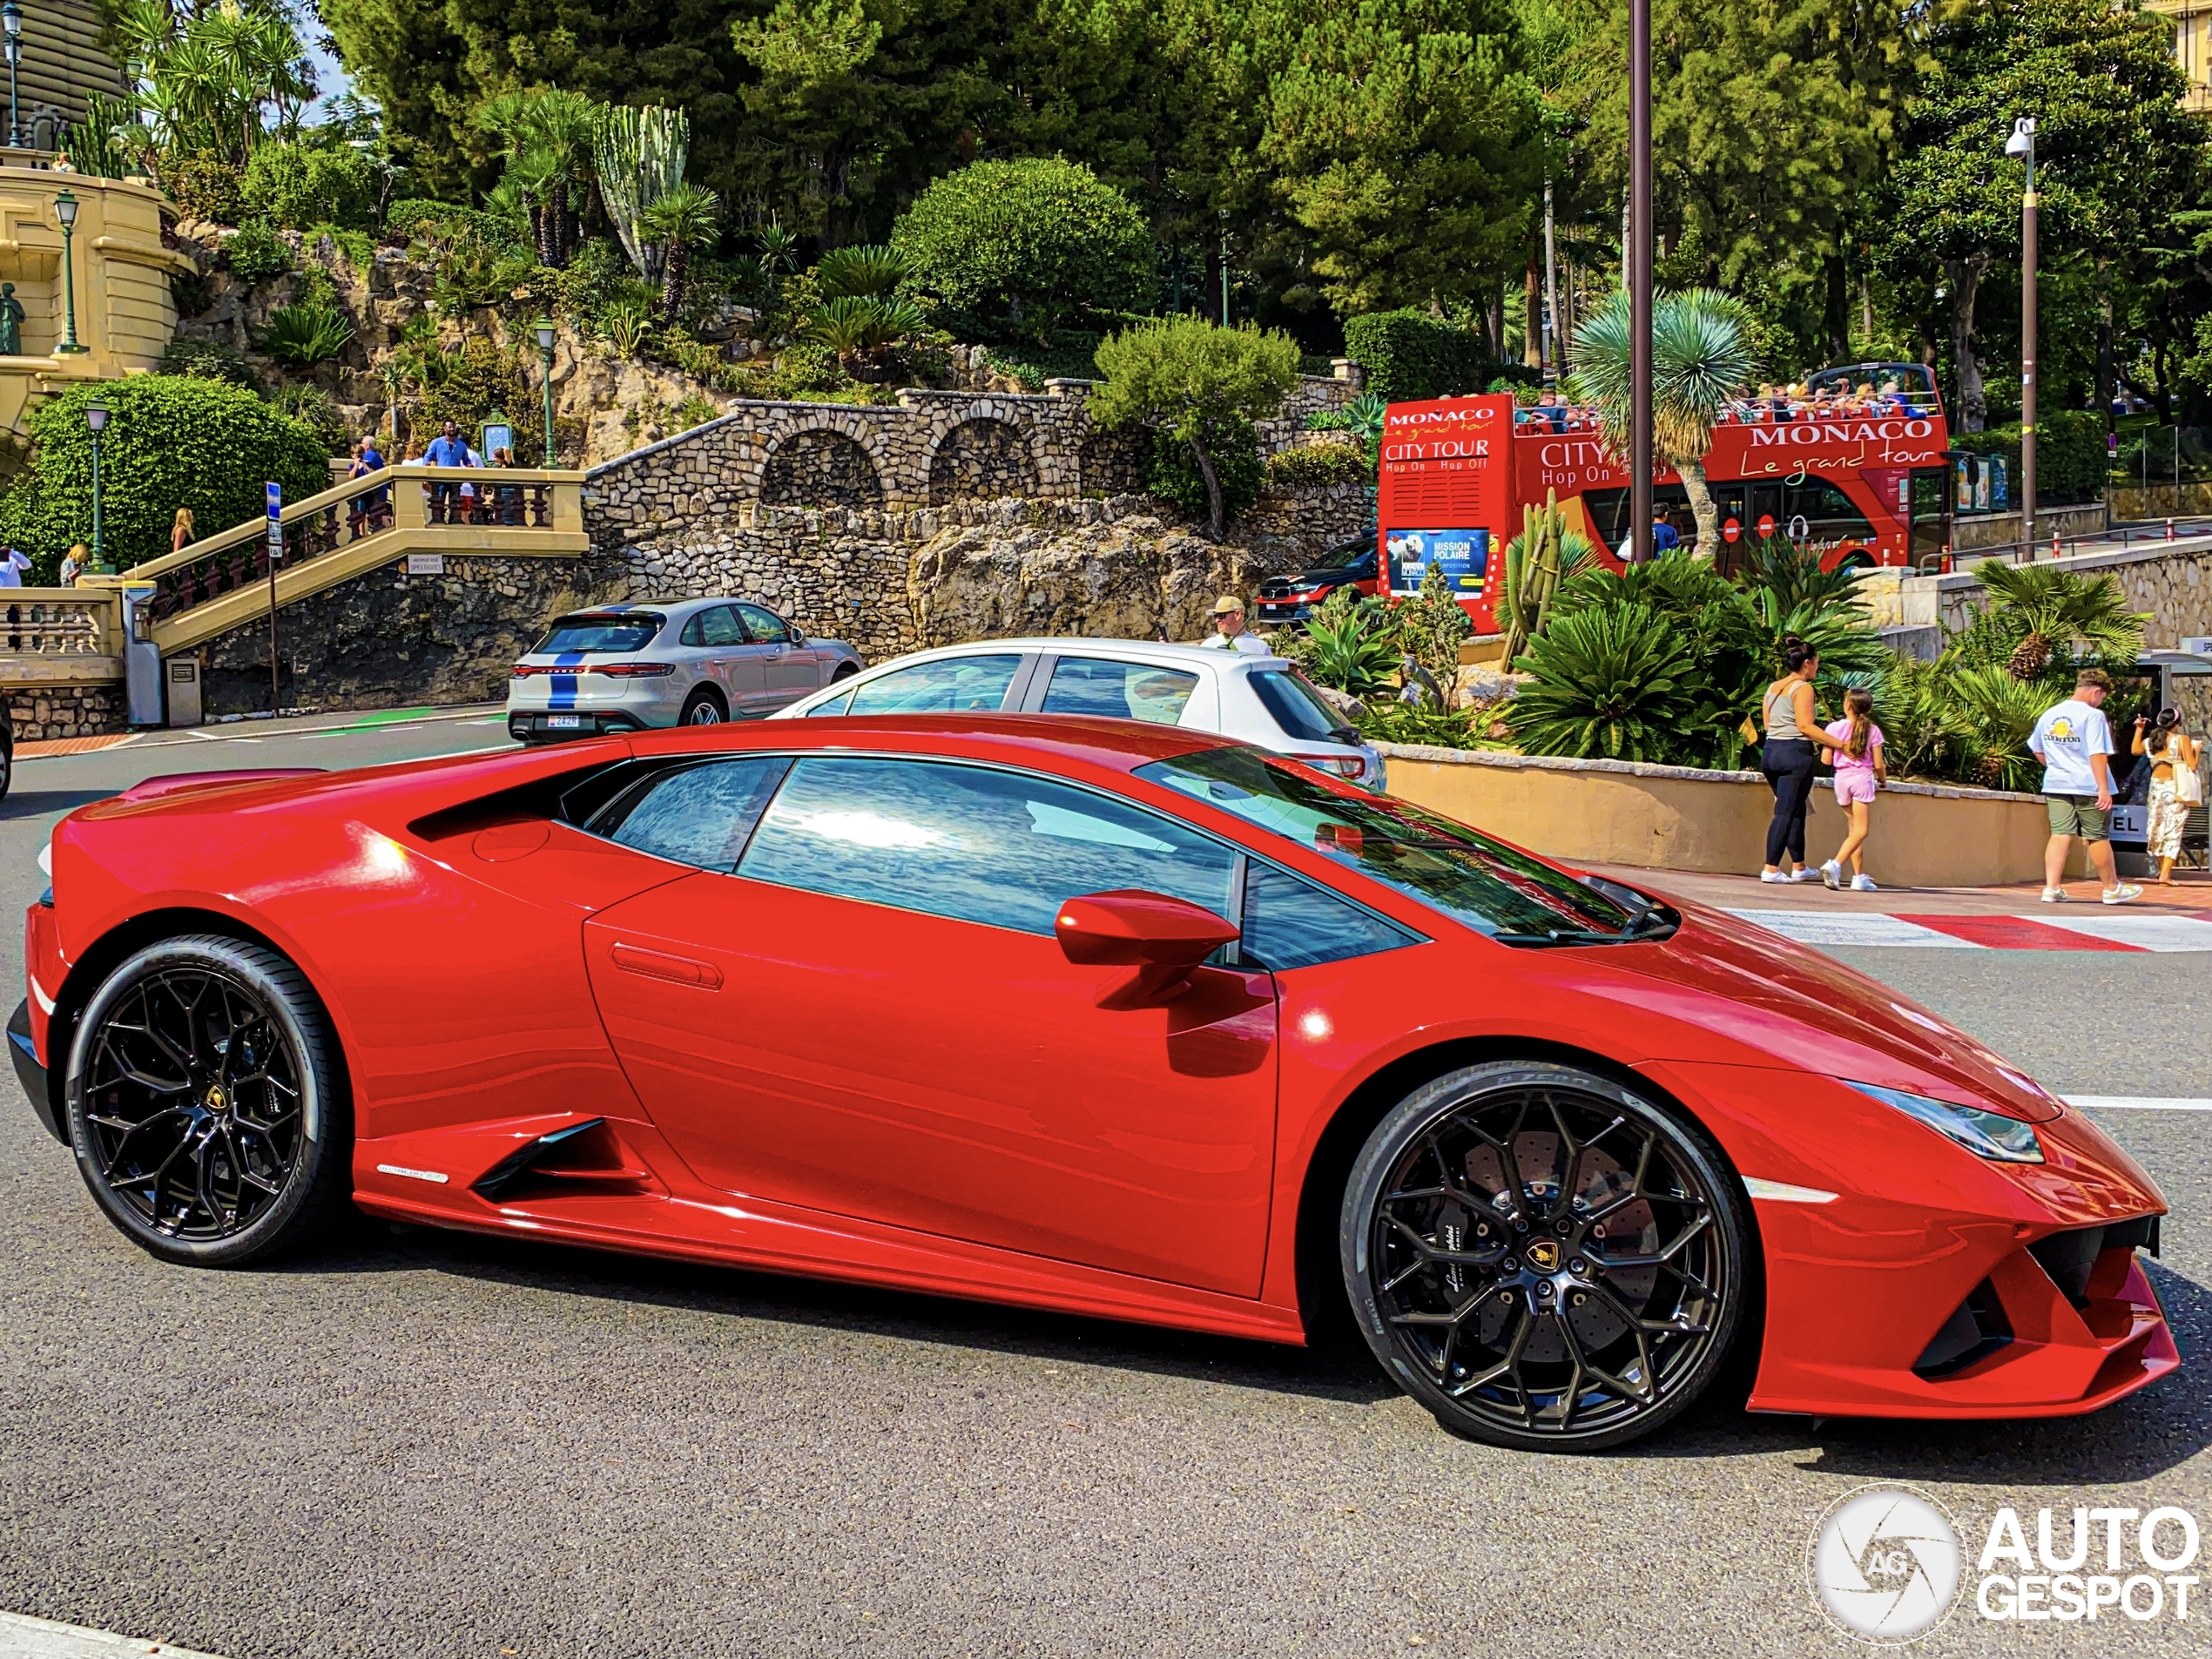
[(2074, 741)]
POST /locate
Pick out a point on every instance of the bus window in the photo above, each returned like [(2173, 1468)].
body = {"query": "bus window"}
[(1828, 513)]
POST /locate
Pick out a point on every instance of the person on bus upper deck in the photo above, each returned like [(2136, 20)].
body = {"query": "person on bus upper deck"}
[(1549, 410)]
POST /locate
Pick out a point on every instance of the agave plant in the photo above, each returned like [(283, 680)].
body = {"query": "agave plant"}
[(1612, 681), (626, 322), (2048, 608), (306, 335), (1701, 359), (1349, 644), (867, 271)]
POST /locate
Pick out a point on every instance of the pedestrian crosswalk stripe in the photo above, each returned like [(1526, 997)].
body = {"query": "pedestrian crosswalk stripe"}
[(2138, 1102), (2102, 928)]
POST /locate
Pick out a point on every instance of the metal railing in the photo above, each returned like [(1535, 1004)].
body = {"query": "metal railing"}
[(419, 505)]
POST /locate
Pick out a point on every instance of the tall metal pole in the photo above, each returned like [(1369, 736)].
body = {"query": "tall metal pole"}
[(2027, 353), (99, 558), (1638, 280), (1551, 350)]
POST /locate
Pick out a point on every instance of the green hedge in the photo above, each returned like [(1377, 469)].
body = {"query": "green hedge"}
[(301, 188), (170, 442), (1409, 355), (1173, 475), (2070, 462)]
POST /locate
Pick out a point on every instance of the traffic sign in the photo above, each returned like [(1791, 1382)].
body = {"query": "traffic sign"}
[(275, 495), (1766, 523), (1730, 530)]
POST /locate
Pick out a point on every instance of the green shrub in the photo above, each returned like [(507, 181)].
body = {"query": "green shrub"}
[(208, 359), (1173, 476), (170, 442), (1409, 355), (204, 183), (1440, 728), (1026, 245), (412, 216), (257, 254), (1611, 681), (1318, 466), (305, 335), (468, 384), (2070, 459), (297, 187), (1349, 644), (315, 409)]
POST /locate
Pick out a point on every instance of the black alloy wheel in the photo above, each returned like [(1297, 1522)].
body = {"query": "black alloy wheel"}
[(702, 708), (1544, 1258), (203, 1103)]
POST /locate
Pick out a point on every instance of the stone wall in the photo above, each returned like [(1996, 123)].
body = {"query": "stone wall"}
[(42, 713), (2172, 581), (386, 639)]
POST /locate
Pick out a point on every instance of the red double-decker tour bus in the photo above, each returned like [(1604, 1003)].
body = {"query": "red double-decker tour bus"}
[(1856, 473)]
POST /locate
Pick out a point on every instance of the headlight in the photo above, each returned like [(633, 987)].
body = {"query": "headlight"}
[(1987, 1135)]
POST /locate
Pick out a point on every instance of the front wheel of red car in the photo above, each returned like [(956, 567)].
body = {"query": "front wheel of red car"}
[(1545, 1259), (205, 1105)]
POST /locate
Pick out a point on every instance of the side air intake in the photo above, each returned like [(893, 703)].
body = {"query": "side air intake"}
[(586, 1158)]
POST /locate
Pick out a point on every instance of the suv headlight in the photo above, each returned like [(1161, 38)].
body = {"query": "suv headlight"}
[(1987, 1135)]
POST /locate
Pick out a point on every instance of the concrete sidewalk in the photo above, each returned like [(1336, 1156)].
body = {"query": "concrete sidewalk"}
[(2191, 895)]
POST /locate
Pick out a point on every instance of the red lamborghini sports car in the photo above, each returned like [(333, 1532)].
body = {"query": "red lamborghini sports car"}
[(1081, 1015)]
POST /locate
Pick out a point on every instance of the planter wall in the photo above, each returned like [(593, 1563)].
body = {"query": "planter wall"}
[(1676, 818)]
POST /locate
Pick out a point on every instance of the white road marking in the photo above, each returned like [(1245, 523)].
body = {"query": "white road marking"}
[(1852, 927), (2136, 928), (24, 1637), (2139, 1102)]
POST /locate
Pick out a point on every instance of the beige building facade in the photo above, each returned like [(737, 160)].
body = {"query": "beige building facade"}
[(2192, 25)]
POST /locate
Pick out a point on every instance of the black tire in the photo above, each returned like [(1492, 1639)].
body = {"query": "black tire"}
[(195, 1159), (844, 671), (703, 707), (1475, 1248), (7, 763)]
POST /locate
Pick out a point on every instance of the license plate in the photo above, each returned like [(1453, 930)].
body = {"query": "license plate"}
[(563, 722)]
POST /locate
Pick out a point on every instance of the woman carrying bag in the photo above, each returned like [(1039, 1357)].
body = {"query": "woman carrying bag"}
[(1791, 758), (2176, 785)]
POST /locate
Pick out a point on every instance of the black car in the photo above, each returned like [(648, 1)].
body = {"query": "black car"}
[(1293, 598)]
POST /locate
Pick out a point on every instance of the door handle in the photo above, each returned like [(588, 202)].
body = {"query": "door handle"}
[(659, 964)]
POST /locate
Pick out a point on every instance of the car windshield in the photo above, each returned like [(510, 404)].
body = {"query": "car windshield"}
[(1462, 872), (620, 630), (1336, 557), (1298, 709)]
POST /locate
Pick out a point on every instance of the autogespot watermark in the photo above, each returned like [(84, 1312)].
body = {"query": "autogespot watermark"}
[(1887, 1565)]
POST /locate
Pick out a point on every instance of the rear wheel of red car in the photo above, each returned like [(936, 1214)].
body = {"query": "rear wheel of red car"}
[(1545, 1259), (205, 1103)]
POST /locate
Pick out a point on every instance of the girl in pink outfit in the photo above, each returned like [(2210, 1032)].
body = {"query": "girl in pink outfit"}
[(1860, 775)]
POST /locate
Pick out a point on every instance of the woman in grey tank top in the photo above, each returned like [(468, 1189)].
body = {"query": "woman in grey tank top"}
[(1790, 757)]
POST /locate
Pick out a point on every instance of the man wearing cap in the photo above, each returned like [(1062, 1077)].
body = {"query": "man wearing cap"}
[(1230, 634)]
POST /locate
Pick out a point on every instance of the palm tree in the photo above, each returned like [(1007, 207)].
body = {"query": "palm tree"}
[(687, 217), (1700, 357), (2048, 608)]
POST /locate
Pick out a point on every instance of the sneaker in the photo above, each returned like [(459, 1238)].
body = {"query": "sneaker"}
[(1804, 872), (1832, 873), (2123, 894), (1772, 876), (2057, 895), (1864, 884)]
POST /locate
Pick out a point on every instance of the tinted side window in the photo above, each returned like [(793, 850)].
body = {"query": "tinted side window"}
[(1118, 690), (977, 845), (719, 627), (700, 815), (1292, 923), (948, 686), (694, 630), (763, 627)]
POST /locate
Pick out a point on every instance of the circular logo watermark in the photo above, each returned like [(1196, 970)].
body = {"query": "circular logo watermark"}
[(1886, 1565)]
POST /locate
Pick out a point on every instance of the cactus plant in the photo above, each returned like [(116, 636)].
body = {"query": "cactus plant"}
[(1537, 560)]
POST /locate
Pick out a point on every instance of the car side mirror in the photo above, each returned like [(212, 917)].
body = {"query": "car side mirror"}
[(1158, 938)]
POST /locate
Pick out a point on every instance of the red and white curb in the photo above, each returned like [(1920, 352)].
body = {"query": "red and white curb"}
[(24, 1637), (2101, 928)]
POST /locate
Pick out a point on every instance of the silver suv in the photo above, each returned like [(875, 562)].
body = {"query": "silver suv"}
[(685, 662)]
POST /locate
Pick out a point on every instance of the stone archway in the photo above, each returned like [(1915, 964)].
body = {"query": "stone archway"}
[(820, 468), (982, 459)]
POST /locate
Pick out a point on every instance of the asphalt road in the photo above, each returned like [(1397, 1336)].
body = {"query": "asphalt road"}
[(430, 1444)]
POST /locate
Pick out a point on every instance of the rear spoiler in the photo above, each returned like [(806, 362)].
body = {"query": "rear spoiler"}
[(177, 783)]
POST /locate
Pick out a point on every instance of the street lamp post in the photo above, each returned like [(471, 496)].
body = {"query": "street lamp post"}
[(96, 413), (65, 210), (1637, 279), (11, 17), (2022, 143), (545, 358)]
